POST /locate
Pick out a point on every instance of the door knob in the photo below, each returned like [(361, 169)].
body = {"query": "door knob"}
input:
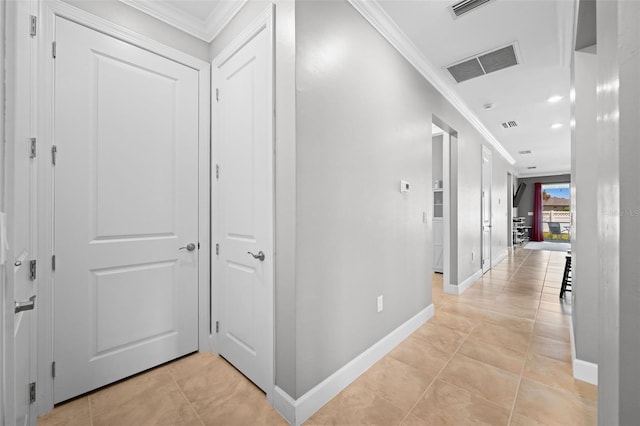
[(188, 247), (259, 256)]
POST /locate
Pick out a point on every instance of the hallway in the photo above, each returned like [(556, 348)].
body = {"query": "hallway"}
[(498, 354)]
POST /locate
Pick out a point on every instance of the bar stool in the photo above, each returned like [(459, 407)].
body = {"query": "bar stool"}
[(566, 277)]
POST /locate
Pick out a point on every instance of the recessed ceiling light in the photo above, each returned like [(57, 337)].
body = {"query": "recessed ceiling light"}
[(556, 125), (487, 106), (554, 99)]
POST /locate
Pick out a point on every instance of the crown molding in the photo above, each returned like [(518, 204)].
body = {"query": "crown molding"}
[(380, 20), (205, 29)]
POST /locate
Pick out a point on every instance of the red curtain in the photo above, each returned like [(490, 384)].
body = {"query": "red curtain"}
[(536, 224)]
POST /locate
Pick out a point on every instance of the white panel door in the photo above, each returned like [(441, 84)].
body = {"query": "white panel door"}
[(486, 209), (126, 185), (244, 214)]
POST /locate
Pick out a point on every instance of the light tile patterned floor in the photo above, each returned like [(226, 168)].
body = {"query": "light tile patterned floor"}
[(499, 354)]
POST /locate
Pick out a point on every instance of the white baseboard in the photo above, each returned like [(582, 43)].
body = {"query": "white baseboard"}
[(499, 258), (299, 410), (464, 285), (582, 370)]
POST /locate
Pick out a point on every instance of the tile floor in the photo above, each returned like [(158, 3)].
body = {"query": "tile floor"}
[(498, 354)]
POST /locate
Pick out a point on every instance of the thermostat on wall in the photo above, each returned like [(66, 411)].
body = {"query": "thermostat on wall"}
[(404, 186)]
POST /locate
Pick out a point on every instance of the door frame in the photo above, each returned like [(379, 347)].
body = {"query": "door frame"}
[(20, 53), (48, 12), (264, 21), (489, 154)]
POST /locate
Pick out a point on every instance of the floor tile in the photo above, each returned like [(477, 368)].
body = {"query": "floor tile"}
[(549, 406), (558, 374), (442, 338), (420, 355), (72, 413), (149, 399), (491, 383), (551, 348), (357, 405), (500, 357), (447, 404), (497, 335)]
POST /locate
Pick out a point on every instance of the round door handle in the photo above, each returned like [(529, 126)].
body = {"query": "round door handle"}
[(188, 247), (259, 256)]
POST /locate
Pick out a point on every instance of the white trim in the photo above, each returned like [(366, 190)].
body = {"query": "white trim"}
[(49, 10), (298, 411), (263, 22), (529, 175), (464, 285), (499, 258), (205, 29), (582, 370), (378, 18)]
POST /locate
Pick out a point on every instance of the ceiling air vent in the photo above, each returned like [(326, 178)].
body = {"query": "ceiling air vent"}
[(466, 6), (531, 167), (528, 151), (509, 124), (485, 63)]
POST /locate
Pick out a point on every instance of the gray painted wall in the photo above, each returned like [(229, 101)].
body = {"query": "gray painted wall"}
[(526, 204), (361, 128), (3, 295), (584, 242), (135, 20), (618, 193)]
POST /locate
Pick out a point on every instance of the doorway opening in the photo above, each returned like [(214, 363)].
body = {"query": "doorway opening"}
[(440, 198), (556, 212)]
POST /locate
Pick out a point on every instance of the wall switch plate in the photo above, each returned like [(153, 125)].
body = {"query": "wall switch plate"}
[(380, 303), (404, 186)]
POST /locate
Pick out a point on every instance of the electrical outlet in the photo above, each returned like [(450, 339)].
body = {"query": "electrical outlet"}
[(380, 303)]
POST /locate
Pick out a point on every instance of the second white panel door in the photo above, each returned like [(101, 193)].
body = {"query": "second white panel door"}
[(244, 214)]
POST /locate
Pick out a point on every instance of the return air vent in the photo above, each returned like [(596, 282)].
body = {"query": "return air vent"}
[(466, 6), (485, 63), (509, 124)]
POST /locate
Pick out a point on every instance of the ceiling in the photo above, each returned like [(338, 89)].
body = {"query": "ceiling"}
[(428, 34)]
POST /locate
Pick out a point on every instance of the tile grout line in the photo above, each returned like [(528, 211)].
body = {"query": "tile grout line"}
[(185, 398), (90, 410), (526, 358)]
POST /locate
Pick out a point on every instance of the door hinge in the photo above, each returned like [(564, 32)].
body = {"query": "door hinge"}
[(198, 245), (53, 50), (33, 28), (32, 149), (53, 369), (53, 262), (54, 154), (217, 95), (217, 171), (32, 392), (217, 326), (217, 248), (32, 270)]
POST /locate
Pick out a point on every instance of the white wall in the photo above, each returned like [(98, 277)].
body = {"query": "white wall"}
[(133, 19), (618, 193), (584, 242)]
